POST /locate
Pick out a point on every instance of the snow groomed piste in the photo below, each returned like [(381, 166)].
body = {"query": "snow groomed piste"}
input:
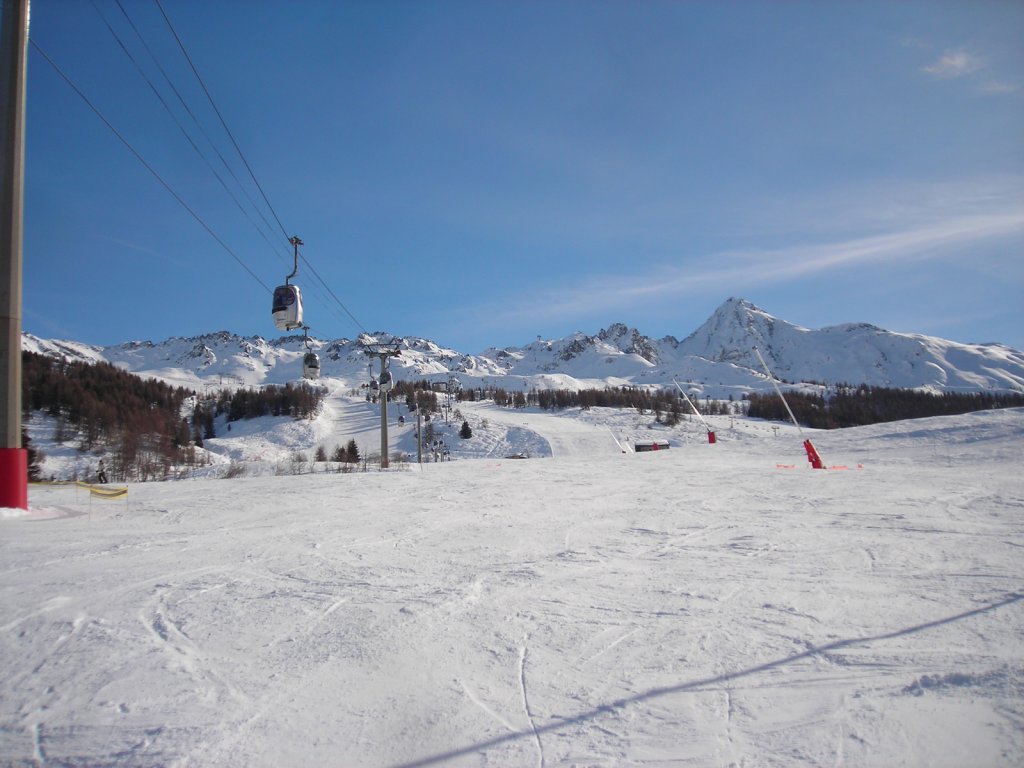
[(687, 607)]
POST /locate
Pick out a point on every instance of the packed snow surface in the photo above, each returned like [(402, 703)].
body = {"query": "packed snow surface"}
[(708, 605)]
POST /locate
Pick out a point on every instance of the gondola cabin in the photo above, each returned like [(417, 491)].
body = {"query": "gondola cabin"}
[(311, 366), (287, 309), (386, 382)]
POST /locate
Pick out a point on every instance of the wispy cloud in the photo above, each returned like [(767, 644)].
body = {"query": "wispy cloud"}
[(149, 252), (737, 270), (916, 42), (960, 63), (51, 327), (954, 64), (996, 87)]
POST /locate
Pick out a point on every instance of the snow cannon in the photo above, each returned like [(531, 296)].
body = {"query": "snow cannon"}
[(812, 455)]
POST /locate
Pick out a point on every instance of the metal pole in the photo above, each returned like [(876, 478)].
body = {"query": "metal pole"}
[(384, 461), (419, 434), (296, 242), (13, 45), (778, 391), (383, 356), (812, 453), (692, 406), (383, 415)]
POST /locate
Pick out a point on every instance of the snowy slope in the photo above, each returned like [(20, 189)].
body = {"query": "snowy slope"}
[(716, 359), (853, 353), (698, 606)]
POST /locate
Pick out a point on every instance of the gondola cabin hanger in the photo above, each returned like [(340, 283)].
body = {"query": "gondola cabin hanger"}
[(287, 303)]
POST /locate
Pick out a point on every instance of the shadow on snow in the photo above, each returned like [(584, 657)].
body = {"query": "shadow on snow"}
[(698, 684)]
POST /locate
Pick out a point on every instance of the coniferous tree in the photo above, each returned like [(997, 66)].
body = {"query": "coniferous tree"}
[(466, 432), (849, 406), (105, 407), (352, 452)]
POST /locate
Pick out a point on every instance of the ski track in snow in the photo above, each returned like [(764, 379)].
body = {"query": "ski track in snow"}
[(490, 712), (526, 705), (693, 607)]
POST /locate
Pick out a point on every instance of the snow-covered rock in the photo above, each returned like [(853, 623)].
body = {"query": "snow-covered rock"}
[(717, 359)]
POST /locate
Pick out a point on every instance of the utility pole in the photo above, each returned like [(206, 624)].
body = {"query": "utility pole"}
[(13, 46)]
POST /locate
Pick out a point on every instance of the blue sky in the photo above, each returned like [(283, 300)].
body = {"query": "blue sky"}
[(483, 173)]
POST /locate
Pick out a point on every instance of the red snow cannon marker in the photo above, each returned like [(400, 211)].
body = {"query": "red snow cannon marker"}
[(711, 435), (812, 455)]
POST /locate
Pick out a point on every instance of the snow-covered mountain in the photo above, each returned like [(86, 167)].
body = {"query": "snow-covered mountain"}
[(717, 359), (853, 353)]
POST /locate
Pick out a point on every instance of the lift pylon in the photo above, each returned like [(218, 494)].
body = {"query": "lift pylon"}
[(384, 353)]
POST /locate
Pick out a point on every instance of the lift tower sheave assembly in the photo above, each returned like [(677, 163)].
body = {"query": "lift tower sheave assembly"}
[(386, 382), (13, 45)]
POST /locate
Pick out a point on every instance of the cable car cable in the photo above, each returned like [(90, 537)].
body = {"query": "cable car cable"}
[(195, 120), (148, 167), (177, 122), (227, 130), (241, 155), (340, 304), (167, 186), (198, 151)]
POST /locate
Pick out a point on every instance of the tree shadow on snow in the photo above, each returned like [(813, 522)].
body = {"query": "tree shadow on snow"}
[(534, 733)]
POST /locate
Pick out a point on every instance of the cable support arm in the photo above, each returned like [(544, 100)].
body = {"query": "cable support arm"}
[(296, 242)]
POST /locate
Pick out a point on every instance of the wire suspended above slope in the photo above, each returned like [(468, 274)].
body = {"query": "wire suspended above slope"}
[(329, 298), (146, 164)]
